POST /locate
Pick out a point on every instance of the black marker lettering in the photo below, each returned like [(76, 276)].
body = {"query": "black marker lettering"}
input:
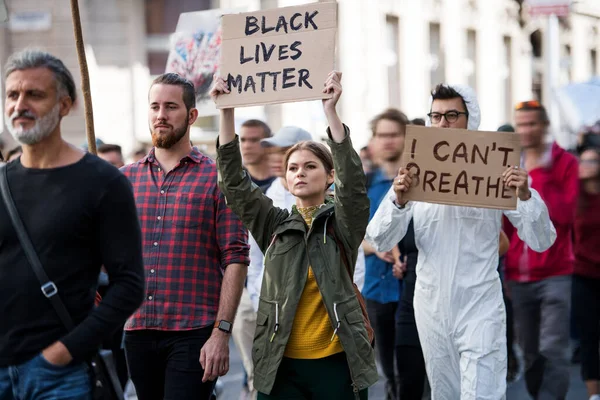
[(304, 74), (264, 28), (309, 20), (250, 83), (294, 47), (281, 23), (283, 52), (235, 82), (295, 27), (262, 79), (274, 75), (251, 25), (287, 78), (243, 60)]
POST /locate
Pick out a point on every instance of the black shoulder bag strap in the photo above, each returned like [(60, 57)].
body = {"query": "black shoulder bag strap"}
[(47, 286)]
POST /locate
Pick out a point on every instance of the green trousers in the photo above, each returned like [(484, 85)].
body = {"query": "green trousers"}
[(322, 379)]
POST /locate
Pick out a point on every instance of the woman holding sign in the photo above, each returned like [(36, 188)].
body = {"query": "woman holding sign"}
[(311, 338), (459, 309)]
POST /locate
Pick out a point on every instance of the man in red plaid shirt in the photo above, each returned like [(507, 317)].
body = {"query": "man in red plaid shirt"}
[(195, 257)]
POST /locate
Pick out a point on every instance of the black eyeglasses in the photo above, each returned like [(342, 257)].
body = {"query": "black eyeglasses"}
[(451, 116)]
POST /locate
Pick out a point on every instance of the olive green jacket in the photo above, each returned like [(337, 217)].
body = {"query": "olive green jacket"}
[(290, 247)]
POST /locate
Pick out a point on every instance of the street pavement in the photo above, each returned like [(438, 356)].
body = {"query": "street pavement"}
[(232, 384)]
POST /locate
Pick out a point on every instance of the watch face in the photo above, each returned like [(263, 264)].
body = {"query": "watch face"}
[(225, 326)]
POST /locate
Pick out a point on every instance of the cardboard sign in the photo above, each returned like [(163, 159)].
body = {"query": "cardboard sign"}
[(278, 55), (461, 167)]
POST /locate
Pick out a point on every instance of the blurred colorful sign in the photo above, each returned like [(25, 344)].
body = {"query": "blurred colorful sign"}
[(560, 8), (195, 52)]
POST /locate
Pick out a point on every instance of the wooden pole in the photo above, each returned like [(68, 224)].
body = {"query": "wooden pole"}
[(85, 78)]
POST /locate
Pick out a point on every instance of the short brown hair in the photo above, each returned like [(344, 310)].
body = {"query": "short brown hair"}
[(318, 149), (392, 114), (109, 148), (189, 92), (257, 123)]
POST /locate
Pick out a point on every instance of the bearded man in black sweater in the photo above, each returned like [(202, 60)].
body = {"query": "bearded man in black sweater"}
[(80, 214)]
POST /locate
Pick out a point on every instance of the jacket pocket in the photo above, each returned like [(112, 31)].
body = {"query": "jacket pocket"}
[(260, 337), (284, 244)]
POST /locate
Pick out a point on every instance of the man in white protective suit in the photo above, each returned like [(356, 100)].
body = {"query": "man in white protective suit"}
[(458, 302)]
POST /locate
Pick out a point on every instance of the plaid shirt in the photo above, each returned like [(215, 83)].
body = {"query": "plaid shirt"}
[(189, 236)]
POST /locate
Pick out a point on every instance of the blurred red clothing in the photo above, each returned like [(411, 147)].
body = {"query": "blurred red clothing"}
[(557, 182), (587, 236)]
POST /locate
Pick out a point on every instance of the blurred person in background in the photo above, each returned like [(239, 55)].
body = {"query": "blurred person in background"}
[(138, 154), (513, 361), (381, 290), (366, 158), (256, 163), (586, 277), (14, 154), (540, 283), (252, 132), (418, 122), (112, 154)]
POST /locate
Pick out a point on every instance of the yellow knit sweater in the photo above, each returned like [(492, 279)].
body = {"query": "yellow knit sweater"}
[(312, 332)]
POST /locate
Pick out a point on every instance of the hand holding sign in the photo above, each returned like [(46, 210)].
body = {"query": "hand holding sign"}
[(219, 87), (333, 86), (402, 184), (518, 178)]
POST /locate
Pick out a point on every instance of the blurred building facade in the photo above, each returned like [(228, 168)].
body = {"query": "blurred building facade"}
[(392, 52)]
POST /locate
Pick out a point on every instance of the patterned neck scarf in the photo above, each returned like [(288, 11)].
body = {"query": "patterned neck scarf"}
[(309, 212)]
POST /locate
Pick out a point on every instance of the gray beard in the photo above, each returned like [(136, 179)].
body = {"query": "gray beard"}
[(43, 127)]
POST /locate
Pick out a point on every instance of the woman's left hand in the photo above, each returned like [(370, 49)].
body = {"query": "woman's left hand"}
[(332, 85)]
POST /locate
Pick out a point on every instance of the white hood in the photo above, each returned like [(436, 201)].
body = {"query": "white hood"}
[(470, 99)]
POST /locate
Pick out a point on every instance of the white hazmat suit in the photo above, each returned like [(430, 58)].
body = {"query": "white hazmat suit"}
[(458, 302)]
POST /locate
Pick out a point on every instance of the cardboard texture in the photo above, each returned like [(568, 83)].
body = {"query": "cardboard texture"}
[(277, 56), (461, 167)]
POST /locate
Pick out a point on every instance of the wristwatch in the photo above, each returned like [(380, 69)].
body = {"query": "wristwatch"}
[(225, 326)]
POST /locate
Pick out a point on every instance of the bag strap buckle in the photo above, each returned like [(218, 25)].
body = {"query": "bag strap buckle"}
[(49, 289)]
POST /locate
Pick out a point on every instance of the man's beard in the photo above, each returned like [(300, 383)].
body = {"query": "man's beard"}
[(168, 140), (43, 127)]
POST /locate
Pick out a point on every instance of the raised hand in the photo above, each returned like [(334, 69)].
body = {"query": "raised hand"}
[(219, 87), (517, 178), (402, 184)]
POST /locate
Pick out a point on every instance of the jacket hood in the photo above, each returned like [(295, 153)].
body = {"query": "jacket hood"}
[(468, 95)]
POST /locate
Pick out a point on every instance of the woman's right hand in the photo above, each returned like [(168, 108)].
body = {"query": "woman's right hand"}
[(402, 184), (219, 87)]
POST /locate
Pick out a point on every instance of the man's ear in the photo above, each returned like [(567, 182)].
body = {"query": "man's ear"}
[(193, 116), (66, 103)]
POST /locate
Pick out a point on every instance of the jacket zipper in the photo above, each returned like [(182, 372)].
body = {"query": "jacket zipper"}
[(337, 320), (276, 327)]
